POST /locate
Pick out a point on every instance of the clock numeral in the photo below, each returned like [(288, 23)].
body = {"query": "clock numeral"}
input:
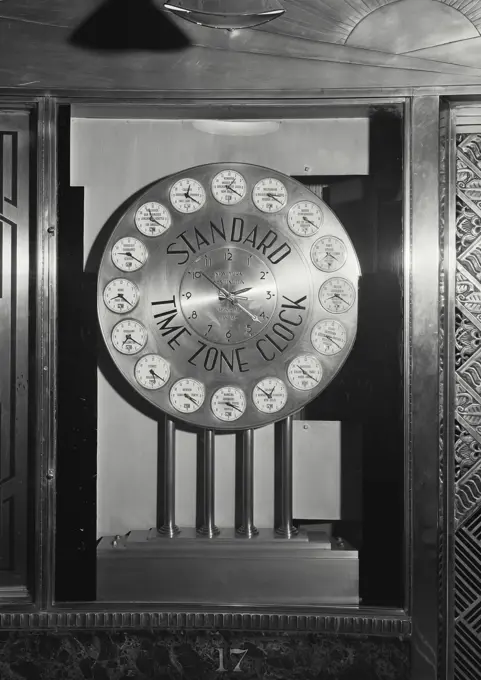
[(195, 275), (209, 328), (263, 275), (228, 255), (269, 295), (187, 295), (207, 263), (228, 335), (193, 315), (248, 330), (262, 315), (249, 258)]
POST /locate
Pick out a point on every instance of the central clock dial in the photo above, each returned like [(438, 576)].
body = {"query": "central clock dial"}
[(228, 295)]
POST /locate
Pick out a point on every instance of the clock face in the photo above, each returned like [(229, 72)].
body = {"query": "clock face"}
[(152, 372), (234, 318), (270, 195), (187, 195), (129, 337), (329, 337), (129, 254), (329, 254), (305, 372), (187, 395), (305, 218), (229, 187), (228, 403), (270, 395), (152, 219), (121, 296), (337, 295), (228, 296)]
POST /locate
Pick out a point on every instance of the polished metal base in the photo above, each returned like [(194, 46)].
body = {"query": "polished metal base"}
[(224, 535), (308, 569)]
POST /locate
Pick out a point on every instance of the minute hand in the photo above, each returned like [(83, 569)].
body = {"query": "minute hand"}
[(252, 316)]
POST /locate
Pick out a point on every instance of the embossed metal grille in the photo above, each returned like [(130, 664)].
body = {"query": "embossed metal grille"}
[(14, 286), (467, 663)]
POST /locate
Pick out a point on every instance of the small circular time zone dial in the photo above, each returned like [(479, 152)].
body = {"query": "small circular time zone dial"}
[(152, 219), (304, 372), (229, 187), (187, 395), (228, 403), (305, 218), (270, 195), (228, 295), (121, 296), (129, 336), (270, 395), (329, 337), (187, 195), (129, 254), (152, 371), (337, 295), (329, 254)]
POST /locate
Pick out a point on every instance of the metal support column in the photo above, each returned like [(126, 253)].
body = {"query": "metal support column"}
[(169, 527), (286, 527), (207, 527), (247, 527)]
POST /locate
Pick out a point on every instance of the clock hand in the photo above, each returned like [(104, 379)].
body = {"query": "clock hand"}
[(336, 295), (187, 195), (274, 197), (154, 374), (331, 339), (134, 340), (329, 255), (229, 403), (238, 292), (237, 297), (187, 396), (133, 257), (306, 220), (127, 338), (269, 396), (252, 316), (308, 374), (229, 186), (152, 219), (272, 392)]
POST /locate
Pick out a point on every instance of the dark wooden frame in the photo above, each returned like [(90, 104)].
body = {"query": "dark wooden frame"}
[(421, 614)]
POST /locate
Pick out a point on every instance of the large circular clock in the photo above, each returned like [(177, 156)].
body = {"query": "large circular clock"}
[(241, 303)]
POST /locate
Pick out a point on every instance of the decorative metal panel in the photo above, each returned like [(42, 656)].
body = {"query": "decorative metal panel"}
[(14, 287), (467, 433)]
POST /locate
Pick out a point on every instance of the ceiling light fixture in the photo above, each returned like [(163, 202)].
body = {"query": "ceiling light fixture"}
[(226, 14)]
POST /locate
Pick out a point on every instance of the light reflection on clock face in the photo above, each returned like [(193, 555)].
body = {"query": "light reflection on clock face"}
[(228, 295)]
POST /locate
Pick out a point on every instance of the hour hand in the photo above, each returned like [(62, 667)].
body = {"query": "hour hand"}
[(239, 292)]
